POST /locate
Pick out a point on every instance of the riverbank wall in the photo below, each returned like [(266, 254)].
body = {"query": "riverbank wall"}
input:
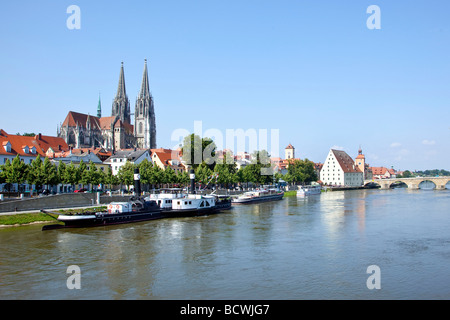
[(69, 200)]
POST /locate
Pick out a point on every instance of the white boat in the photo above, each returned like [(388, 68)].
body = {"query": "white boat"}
[(176, 203), (258, 195), (308, 190), (165, 198)]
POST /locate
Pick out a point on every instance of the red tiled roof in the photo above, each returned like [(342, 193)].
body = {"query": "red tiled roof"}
[(104, 123), (40, 142), (345, 161), (74, 118), (290, 146), (378, 171)]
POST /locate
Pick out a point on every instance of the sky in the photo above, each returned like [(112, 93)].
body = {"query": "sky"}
[(310, 70)]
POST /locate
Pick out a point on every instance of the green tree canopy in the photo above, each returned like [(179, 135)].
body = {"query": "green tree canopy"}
[(111, 179), (301, 171), (72, 175), (49, 173), (16, 171), (197, 151), (126, 174), (35, 172)]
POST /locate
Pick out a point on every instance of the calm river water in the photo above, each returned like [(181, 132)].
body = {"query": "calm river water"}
[(315, 248)]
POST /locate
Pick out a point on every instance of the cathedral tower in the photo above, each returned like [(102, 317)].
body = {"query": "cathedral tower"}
[(121, 104), (145, 123)]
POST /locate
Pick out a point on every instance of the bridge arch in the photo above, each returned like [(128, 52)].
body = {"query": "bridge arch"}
[(372, 185), (427, 184), (398, 184)]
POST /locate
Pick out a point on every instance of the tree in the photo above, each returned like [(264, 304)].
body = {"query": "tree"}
[(93, 176), (110, 179), (260, 170), (197, 151), (126, 174), (145, 170), (4, 168), (169, 175), (407, 174), (151, 174), (16, 172), (49, 173), (35, 173), (203, 174), (226, 172), (183, 178), (82, 167), (302, 171), (61, 172), (72, 175)]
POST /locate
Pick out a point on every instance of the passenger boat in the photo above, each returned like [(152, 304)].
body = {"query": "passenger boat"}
[(176, 203), (156, 206), (135, 210), (308, 190), (259, 195)]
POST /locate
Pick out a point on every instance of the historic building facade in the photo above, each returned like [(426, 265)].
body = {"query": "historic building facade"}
[(115, 132)]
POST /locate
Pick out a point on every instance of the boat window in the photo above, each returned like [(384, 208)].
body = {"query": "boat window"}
[(207, 203), (202, 204), (190, 202)]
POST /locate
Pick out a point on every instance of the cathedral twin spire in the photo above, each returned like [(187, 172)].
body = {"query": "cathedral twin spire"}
[(144, 125)]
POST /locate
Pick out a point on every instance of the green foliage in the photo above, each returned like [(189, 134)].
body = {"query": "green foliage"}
[(61, 171), (151, 174), (126, 173), (170, 176), (434, 173), (49, 173), (203, 174), (14, 172), (406, 174), (226, 173), (93, 176), (110, 179), (301, 171), (183, 178), (198, 151), (72, 174)]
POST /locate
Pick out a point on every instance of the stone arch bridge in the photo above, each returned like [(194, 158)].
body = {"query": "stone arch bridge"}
[(412, 183)]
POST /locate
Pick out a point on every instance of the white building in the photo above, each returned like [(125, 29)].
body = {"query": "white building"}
[(339, 169), (119, 158)]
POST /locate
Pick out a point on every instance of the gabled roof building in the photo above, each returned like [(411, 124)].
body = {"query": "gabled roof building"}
[(339, 169)]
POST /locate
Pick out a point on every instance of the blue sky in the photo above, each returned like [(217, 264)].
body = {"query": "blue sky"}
[(311, 69)]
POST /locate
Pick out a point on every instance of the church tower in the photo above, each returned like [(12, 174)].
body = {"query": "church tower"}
[(289, 152), (360, 160), (121, 104), (145, 123)]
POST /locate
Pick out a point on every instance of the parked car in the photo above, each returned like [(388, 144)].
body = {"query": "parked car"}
[(80, 190)]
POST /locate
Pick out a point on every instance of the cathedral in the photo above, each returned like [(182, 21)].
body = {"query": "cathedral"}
[(115, 132)]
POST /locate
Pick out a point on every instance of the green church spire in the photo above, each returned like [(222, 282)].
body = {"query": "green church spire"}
[(99, 108)]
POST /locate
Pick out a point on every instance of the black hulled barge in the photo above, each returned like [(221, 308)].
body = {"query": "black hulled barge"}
[(135, 210)]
